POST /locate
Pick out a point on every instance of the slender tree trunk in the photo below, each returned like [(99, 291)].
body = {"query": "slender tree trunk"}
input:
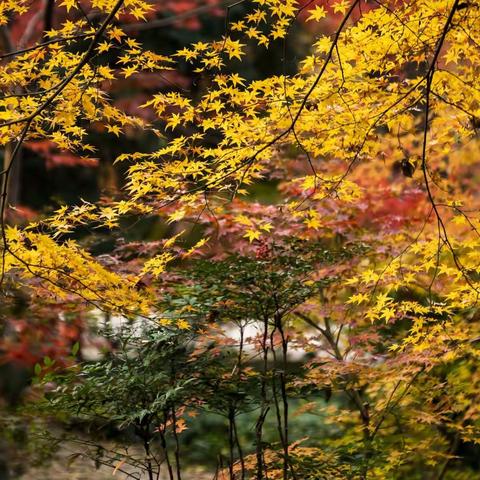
[(177, 444), (48, 18), (10, 184), (163, 442), (264, 403), (146, 447), (231, 441), (240, 450)]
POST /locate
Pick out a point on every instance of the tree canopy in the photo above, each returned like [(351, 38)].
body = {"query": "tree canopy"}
[(363, 259)]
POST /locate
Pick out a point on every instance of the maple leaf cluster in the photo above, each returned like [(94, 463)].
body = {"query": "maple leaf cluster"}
[(326, 219)]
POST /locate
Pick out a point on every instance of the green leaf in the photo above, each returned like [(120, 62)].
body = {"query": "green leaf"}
[(75, 348)]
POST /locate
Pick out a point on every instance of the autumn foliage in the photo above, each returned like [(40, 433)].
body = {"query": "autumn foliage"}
[(316, 251)]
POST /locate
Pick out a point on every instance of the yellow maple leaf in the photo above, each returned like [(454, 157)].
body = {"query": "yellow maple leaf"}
[(129, 71), (69, 4), (104, 47), (252, 235), (358, 298), (176, 216), (317, 13), (243, 220), (266, 226), (115, 129), (116, 32), (341, 6), (183, 324), (313, 222), (170, 241)]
